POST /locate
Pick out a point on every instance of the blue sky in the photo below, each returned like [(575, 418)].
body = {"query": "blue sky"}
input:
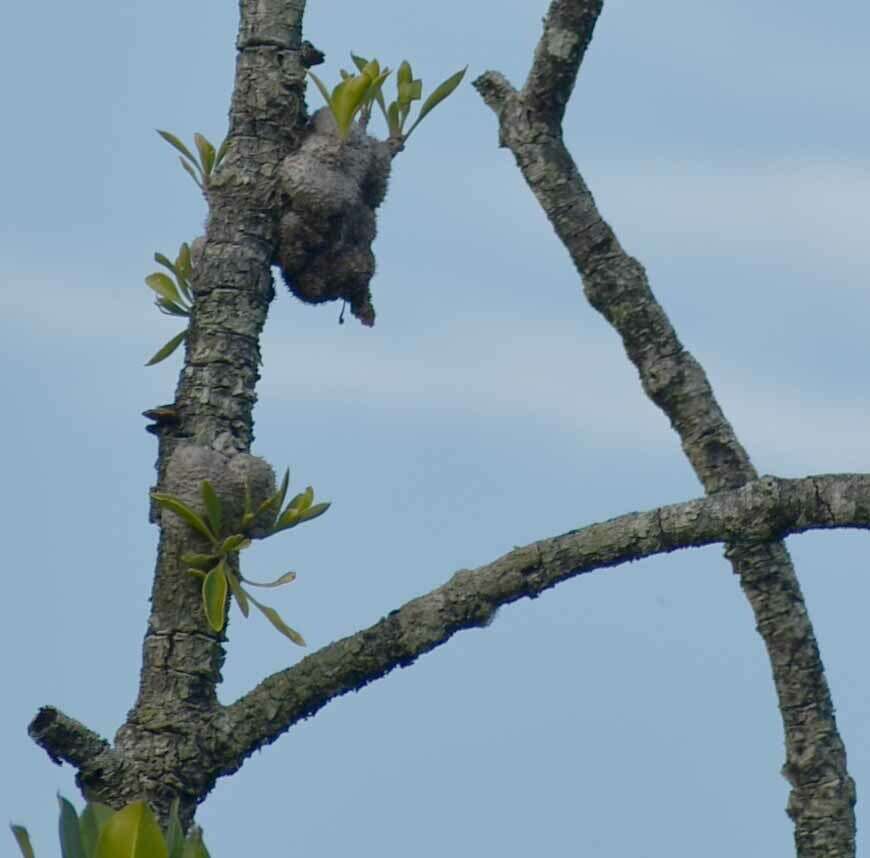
[(629, 712)]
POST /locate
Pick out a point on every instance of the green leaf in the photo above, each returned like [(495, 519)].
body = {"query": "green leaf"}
[(347, 99), (404, 74), (132, 833), (236, 542), (289, 518), (206, 153), (275, 619), (159, 257), (164, 287), (213, 506), (410, 91), (194, 846), (359, 62), (182, 266), (306, 499), (393, 122), (276, 501), (320, 85), (214, 596), (314, 511), (171, 309), (441, 92), (68, 829), (184, 512), (174, 834), (238, 593), (174, 141), (93, 818), (286, 578), (22, 838), (200, 561), (193, 175), (168, 349), (221, 152)]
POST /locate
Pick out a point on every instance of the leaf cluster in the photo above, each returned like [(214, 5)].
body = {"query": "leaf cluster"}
[(174, 295), (356, 94), (200, 167), (132, 832), (219, 578)]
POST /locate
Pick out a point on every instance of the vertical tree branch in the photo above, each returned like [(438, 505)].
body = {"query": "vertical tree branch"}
[(823, 794)]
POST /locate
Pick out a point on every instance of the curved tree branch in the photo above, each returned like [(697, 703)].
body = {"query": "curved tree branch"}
[(766, 509), (823, 794)]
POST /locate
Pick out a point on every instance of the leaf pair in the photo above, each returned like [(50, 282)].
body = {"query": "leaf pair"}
[(355, 93), (174, 295), (219, 579), (202, 167), (133, 832)]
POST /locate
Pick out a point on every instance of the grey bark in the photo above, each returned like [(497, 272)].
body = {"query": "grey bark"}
[(822, 798), (177, 739)]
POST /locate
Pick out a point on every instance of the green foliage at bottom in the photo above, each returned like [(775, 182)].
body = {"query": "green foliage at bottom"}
[(132, 832)]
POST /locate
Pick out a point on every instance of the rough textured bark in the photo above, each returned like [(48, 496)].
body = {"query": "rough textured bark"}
[(823, 794), (177, 739)]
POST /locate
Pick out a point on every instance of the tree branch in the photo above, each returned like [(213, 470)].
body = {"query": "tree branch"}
[(823, 795), (568, 29), (766, 509)]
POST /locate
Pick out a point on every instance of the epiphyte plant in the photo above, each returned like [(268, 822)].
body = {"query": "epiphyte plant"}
[(174, 295), (219, 577), (102, 832), (356, 94), (200, 168)]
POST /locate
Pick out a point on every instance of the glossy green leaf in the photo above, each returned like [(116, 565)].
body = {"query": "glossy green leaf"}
[(163, 285), (221, 152), (174, 141), (214, 596), (236, 542), (238, 592), (441, 92), (213, 506), (132, 833), (184, 512), (93, 818), (200, 561), (206, 153), (314, 511), (22, 838), (275, 619), (68, 829), (286, 578), (168, 349), (174, 833), (192, 173)]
